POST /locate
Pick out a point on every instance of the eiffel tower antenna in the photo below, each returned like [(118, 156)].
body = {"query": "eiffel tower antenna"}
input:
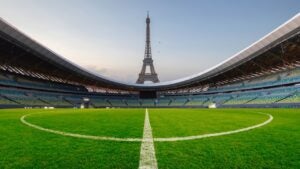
[(143, 76)]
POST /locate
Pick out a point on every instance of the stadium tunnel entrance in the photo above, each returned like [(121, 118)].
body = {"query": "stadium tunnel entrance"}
[(148, 94)]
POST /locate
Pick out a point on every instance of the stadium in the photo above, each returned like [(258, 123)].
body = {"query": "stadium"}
[(241, 113)]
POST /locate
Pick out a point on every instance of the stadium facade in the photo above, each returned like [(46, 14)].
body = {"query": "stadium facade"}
[(265, 74)]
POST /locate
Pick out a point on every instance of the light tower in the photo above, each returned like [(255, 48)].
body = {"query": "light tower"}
[(143, 76)]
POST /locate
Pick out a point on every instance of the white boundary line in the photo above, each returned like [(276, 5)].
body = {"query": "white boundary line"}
[(147, 155), (22, 119), (216, 134), (76, 135)]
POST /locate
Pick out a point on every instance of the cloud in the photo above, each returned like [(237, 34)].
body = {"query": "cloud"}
[(97, 70), (114, 74)]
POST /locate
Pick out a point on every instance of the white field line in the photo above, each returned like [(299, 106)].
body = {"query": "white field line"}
[(216, 134), (77, 135), (91, 137), (147, 155)]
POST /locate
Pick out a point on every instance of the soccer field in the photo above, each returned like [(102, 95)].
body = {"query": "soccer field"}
[(182, 138)]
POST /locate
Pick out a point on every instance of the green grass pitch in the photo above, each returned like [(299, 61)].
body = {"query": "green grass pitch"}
[(275, 145)]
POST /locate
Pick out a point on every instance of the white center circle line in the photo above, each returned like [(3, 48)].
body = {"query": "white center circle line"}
[(105, 138), (215, 134), (91, 137)]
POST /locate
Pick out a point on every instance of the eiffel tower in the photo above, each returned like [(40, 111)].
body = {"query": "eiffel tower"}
[(143, 76)]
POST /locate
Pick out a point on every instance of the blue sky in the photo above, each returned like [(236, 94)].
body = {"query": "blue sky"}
[(108, 36)]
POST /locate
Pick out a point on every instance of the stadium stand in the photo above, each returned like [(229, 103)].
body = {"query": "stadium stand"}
[(179, 101), (133, 102), (197, 100), (163, 102), (26, 82), (98, 102), (117, 102), (148, 102), (265, 74)]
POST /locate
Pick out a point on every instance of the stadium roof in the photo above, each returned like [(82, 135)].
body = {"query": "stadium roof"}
[(52, 61)]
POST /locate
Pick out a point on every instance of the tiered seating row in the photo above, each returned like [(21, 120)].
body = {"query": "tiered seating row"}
[(26, 98), (290, 76), (18, 81)]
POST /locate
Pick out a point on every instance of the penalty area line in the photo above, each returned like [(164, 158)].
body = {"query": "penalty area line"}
[(147, 154)]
